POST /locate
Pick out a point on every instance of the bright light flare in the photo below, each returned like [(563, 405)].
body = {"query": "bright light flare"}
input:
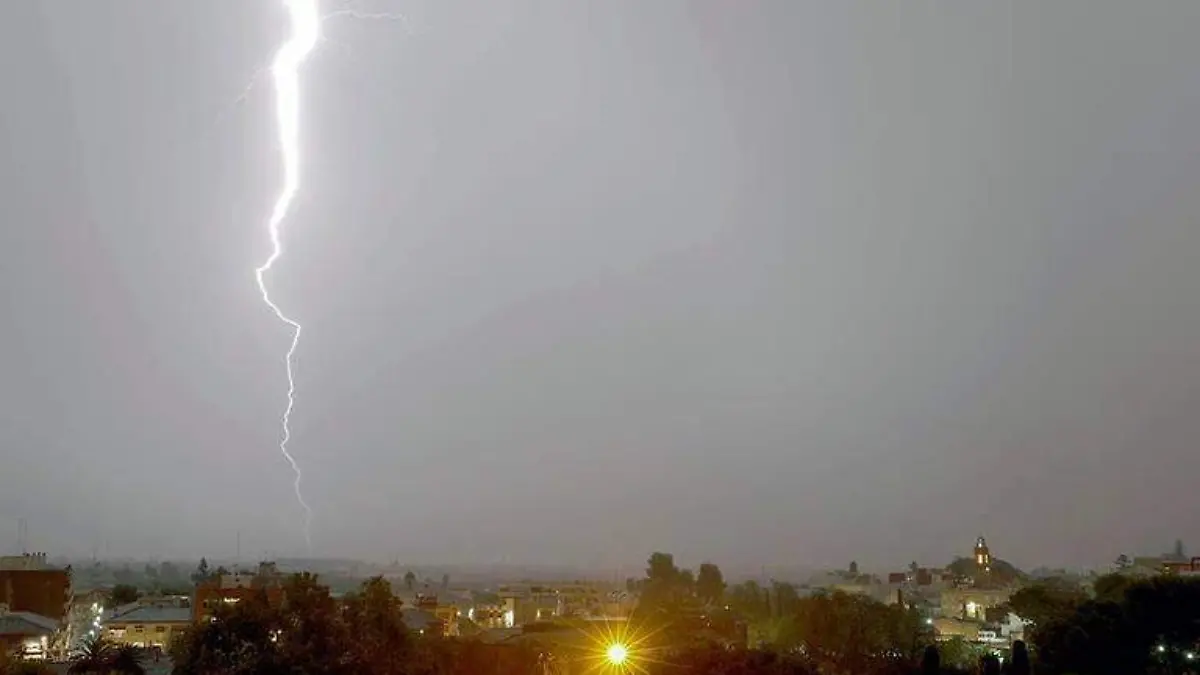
[(616, 654), (617, 647), (285, 71)]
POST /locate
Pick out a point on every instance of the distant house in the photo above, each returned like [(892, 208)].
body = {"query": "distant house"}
[(26, 633), (147, 626)]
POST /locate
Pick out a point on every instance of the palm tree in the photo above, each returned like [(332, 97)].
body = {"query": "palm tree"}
[(99, 656), (92, 657), (126, 660)]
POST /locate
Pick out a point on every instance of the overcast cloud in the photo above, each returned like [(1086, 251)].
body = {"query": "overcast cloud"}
[(763, 283)]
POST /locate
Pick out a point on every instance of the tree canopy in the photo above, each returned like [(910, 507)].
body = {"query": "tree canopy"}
[(1002, 573), (710, 584), (1138, 626), (1041, 603), (309, 631), (123, 594)]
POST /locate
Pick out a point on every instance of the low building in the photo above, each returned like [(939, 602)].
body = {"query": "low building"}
[(147, 626), (27, 634)]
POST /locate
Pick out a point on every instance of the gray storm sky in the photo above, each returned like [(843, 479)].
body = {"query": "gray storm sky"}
[(763, 283)]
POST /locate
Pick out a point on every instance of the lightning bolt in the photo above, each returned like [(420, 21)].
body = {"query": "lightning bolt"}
[(285, 72), (306, 22)]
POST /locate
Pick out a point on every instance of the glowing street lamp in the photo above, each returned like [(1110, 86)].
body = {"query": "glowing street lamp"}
[(616, 654)]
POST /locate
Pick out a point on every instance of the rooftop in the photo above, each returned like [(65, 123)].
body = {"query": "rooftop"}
[(151, 614), (25, 561), (418, 619), (26, 623)]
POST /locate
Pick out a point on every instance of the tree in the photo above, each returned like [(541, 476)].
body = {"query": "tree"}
[(240, 640), (98, 656), (123, 594), (749, 600), (1179, 552), (169, 575), (1112, 587), (853, 633), (1123, 562), (125, 576), (201, 574), (710, 584), (1020, 659), (445, 582), (126, 660), (661, 592), (306, 632), (311, 632), (1132, 627), (1044, 602), (410, 580), (660, 568), (787, 599), (931, 661), (1096, 639), (380, 643), (685, 583), (959, 654)]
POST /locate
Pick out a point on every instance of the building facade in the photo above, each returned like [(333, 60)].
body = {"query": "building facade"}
[(26, 634), (227, 589), (29, 584), (148, 626)]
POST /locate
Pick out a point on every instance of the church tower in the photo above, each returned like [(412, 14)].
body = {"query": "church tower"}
[(983, 557)]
